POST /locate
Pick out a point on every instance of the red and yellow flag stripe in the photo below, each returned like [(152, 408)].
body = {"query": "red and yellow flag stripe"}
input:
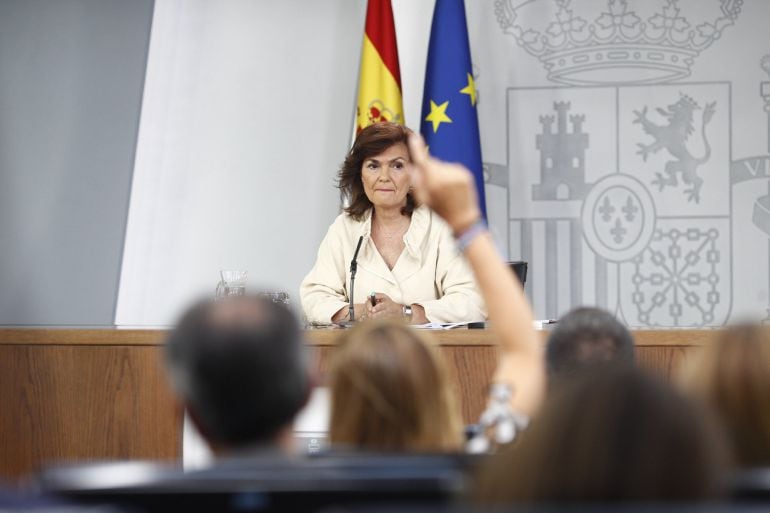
[(379, 87)]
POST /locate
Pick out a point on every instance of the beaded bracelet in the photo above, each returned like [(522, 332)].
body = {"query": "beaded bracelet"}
[(465, 238)]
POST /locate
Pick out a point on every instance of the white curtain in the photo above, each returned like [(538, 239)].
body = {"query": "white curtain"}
[(246, 116)]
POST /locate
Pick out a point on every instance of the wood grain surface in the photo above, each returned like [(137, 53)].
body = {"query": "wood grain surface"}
[(315, 337), (81, 394), (64, 403)]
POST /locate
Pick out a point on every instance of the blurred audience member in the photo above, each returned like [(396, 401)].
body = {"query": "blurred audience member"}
[(587, 336), (732, 377), (610, 434), (391, 392), (240, 368)]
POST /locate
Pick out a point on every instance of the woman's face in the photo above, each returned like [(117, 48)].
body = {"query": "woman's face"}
[(385, 177)]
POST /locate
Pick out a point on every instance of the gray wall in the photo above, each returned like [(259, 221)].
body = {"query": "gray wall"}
[(71, 80)]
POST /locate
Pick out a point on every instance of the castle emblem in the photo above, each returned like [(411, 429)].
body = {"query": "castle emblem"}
[(673, 137), (562, 157)]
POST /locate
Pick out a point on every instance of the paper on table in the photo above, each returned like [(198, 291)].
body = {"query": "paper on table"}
[(439, 326), (538, 325)]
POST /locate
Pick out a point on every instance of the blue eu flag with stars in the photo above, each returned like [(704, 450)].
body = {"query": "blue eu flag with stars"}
[(450, 125)]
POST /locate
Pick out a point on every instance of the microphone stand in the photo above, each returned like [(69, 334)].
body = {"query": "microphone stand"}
[(353, 270)]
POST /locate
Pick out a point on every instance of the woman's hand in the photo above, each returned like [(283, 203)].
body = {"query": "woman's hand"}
[(384, 308), (343, 314)]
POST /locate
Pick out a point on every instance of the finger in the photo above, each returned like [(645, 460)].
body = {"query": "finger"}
[(380, 297), (417, 184), (385, 306), (419, 157), (418, 152), (379, 308)]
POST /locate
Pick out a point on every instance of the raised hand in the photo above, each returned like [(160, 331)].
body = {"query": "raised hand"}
[(446, 188)]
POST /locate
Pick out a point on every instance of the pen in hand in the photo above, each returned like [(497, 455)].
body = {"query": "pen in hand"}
[(373, 298)]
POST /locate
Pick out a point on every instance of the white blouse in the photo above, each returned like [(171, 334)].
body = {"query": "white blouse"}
[(429, 272)]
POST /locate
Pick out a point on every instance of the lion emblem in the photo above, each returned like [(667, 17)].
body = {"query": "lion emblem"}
[(673, 137)]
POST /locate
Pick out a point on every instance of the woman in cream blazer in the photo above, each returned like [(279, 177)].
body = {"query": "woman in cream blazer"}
[(408, 259)]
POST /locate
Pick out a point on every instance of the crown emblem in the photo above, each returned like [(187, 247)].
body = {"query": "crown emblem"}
[(378, 112), (688, 103), (607, 42)]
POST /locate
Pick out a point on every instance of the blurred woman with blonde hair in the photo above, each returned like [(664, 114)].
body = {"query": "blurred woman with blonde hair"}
[(391, 392)]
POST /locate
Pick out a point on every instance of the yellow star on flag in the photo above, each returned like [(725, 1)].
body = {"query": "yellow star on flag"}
[(438, 114), (470, 89)]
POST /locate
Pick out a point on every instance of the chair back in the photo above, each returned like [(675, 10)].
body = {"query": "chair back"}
[(268, 484)]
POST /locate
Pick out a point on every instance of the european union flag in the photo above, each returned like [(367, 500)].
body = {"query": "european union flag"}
[(450, 125)]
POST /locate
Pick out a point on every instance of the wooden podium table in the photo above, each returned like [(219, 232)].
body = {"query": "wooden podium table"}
[(80, 394)]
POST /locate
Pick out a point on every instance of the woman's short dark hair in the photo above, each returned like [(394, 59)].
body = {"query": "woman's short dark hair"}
[(371, 141)]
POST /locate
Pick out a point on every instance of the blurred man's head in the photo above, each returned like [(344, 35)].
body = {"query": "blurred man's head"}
[(240, 368), (587, 337)]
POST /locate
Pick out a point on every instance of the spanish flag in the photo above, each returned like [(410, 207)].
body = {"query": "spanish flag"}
[(379, 88)]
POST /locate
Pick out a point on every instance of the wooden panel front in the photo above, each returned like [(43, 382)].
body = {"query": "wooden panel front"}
[(664, 360), (64, 403), (75, 394), (471, 369)]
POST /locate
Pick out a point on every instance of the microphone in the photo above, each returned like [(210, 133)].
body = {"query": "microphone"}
[(353, 270)]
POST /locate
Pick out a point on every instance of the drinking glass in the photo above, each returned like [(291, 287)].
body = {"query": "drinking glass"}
[(232, 283)]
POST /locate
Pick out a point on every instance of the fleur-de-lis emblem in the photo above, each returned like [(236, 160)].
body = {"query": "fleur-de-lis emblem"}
[(630, 209), (606, 210)]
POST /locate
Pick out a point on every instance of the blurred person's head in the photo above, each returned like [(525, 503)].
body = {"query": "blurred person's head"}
[(732, 377), (391, 392), (587, 337), (240, 368), (612, 433)]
